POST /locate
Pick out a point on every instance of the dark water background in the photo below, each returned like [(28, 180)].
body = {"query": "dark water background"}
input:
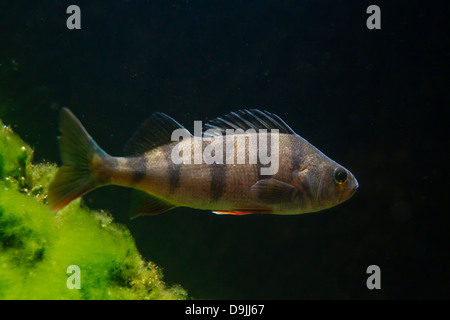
[(375, 101)]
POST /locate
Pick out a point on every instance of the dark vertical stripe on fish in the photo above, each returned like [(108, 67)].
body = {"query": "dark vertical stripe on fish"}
[(218, 176), (218, 180), (267, 154), (173, 171), (138, 166)]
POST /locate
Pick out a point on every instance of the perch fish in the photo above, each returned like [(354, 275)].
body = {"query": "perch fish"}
[(304, 179)]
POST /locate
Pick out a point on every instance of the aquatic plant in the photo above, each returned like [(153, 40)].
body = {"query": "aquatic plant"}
[(37, 245)]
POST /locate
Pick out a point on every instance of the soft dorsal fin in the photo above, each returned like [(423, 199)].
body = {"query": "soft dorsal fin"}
[(248, 119), (154, 132)]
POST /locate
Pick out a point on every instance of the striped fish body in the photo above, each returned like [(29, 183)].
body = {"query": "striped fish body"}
[(303, 178), (204, 186)]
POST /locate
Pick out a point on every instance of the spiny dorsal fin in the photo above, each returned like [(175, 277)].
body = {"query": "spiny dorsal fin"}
[(248, 119), (154, 132)]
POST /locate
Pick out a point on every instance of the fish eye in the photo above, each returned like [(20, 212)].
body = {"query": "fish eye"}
[(340, 175)]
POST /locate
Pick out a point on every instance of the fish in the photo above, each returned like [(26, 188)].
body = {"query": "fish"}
[(167, 172)]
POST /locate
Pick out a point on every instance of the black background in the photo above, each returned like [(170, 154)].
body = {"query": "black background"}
[(375, 101)]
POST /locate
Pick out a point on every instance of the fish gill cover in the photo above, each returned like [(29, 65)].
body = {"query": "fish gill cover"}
[(37, 246)]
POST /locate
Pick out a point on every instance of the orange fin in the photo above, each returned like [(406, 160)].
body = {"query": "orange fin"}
[(240, 213)]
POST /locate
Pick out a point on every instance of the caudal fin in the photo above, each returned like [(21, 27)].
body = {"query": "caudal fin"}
[(77, 149)]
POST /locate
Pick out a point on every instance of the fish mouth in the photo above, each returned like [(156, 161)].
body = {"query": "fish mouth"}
[(355, 187), (350, 191)]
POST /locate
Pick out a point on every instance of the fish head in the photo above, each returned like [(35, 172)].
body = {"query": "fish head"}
[(323, 183)]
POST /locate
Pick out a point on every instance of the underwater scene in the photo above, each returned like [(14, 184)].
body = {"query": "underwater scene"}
[(223, 150)]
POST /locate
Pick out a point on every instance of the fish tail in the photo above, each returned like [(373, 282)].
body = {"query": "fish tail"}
[(78, 153)]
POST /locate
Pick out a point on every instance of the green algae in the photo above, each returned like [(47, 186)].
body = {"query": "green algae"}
[(38, 245)]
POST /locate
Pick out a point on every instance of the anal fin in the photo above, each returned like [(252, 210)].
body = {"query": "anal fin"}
[(143, 203)]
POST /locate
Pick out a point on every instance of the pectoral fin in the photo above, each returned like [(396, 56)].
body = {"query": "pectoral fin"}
[(273, 191)]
